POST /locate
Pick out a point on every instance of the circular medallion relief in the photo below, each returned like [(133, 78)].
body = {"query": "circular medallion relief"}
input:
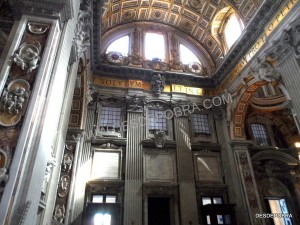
[(115, 57), (194, 67)]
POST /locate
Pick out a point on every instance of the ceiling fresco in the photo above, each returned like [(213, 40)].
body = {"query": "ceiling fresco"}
[(193, 17)]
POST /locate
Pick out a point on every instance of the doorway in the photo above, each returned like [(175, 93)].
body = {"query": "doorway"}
[(159, 211)]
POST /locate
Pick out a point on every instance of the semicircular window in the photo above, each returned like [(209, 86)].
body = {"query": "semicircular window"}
[(120, 45), (233, 30), (187, 56)]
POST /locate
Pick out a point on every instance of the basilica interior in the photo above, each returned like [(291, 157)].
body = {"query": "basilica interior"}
[(149, 112)]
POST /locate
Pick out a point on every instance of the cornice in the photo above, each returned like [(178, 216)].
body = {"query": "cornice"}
[(146, 75), (61, 9)]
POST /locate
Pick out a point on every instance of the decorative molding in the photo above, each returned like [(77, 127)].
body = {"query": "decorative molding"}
[(50, 8)]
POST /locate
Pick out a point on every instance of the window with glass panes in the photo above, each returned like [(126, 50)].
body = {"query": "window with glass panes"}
[(201, 123), (104, 198), (260, 134), (157, 120), (110, 118)]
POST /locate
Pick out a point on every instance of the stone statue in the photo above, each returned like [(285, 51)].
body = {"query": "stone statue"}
[(265, 71), (231, 105), (158, 84)]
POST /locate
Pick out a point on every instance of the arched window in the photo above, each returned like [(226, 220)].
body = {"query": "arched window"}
[(120, 45), (155, 46), (232, 30), (260, 134), (186, 55)]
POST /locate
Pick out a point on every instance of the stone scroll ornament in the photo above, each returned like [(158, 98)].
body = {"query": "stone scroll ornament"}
[(13, 102), (28, 56)]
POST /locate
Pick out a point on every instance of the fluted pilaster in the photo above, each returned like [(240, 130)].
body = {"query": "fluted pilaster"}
[(235, 192), (187, 190), (133, 213), (290, 72), (247, 180)]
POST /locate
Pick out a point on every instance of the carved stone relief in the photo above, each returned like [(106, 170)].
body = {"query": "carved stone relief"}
[(16, 92), (160, 138), (59, 213), (37, 28), (28, 56), (64, 185), (135, 102), (157, 84), (13, 102), (64, 182), (67, 162), (82, 33), (264, 71)]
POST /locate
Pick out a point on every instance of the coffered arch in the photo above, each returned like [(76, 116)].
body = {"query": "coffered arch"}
[(181, 38), (244, 101), (192, 17)]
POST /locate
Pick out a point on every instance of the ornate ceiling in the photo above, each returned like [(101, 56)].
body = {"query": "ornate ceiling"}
[(193, 17)]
